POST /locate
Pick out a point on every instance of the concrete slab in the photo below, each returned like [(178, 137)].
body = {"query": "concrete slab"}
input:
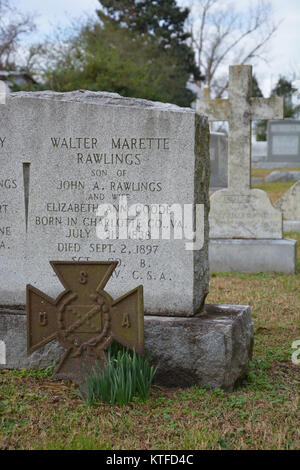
[(250, 256), (211, 350)]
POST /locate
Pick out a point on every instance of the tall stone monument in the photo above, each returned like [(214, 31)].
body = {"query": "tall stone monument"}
[(64, 155), (245, 228)]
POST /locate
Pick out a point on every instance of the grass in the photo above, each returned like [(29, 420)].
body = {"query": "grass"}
[(275, 190), (38, 413), (126, 376), (261, 172)]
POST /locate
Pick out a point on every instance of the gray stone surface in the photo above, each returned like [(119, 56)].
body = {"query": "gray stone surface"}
[(62, 154), (13, 335), (239, 211), (289, 203), (291, 225), (284, 141), (259, 151), (218, 160), (245, 215), (211, 350), (250, 256), (276, 176)]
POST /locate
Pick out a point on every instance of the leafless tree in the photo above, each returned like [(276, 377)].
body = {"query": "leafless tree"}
[(13, 25), (224, 35)]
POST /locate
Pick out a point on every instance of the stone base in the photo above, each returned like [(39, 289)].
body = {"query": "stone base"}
[(267, 165), (211, 350), (291, 225), (250, 256), (13, 334)]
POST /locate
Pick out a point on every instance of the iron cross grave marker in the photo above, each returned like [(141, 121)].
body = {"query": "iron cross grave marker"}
[(84, 318)]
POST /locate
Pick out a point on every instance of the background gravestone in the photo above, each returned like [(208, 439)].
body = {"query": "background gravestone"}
[(284, 141), (62, 154), (218, 160), (245, 228)]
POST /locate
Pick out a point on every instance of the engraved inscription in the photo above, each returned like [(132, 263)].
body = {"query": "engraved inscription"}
[(3, 208), (126, 321), (109, 177), (73, 185), (8, 183), (142, 143), (74, 143), (83, 277)]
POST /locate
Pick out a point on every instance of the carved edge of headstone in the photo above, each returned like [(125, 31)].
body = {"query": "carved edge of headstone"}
[(201, 185)]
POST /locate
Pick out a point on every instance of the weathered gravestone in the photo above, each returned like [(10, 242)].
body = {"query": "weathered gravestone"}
[(245, 228), (284, 142), (289, 204), (64, 155), (218, 160)]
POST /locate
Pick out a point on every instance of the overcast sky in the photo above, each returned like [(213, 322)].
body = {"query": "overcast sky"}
[(284, 48)]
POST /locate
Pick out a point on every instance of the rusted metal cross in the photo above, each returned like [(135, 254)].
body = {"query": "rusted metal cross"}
[(84, 318)]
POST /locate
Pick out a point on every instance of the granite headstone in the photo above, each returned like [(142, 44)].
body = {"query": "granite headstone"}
[(62, 155)]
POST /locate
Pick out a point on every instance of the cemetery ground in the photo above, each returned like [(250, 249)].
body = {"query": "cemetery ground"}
[(275, 189), (263, 413)]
